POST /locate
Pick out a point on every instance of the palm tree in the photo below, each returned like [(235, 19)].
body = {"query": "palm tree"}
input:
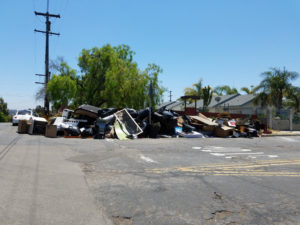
[(293, 98), (248, 91), (204, 93), (195, 90), (207, 93), (275, 84), (225, 89)]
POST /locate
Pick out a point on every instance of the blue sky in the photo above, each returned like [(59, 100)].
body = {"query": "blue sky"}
[(225, 42)]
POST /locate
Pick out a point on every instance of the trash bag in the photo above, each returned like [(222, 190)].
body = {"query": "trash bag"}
[(110, 119), (167, 121), (142, 114), (167, 114), (87, 132), (133, 113), (106, 112), (188, 128), (100, 125)]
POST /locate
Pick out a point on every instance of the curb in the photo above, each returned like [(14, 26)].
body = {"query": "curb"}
[(280, 135)]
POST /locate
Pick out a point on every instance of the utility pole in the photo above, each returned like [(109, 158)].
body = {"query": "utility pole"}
[(47, 32), (170, 96)]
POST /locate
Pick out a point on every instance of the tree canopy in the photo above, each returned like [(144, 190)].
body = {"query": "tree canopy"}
[(62, 88), (3, 111), (275, 85), (109, 78), (225, 90), (204, 93)]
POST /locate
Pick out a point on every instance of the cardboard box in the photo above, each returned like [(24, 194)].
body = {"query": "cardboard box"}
[(208, 128), (23, 127), (223, 131), (51, 131)]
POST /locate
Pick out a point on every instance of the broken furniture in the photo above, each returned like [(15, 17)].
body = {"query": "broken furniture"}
[(88, 110), (37, 125), (126, 124)]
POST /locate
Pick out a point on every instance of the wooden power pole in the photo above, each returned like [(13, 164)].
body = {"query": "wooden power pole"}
[(170, 95), (47, 32)]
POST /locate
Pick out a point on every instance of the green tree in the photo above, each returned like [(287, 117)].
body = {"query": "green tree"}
[(62, 88), (207, 93), (39, 110), (204, 93), (195, 90), (124, 86), (3, 111), (94, 64), (54, 67), (251, 90), (112, 79), (293, 98), (273, 87), (225, 90), (152, 72)]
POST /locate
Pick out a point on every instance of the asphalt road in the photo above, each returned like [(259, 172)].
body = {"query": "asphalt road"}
[(148, 181)]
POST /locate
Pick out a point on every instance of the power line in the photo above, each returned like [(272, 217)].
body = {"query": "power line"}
[(47, 33)]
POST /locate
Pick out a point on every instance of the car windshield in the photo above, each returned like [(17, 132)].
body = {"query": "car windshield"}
[(24, 112)]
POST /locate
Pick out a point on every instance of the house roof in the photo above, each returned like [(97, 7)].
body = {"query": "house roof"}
[(215, 101), (175, 105), (240, 100)]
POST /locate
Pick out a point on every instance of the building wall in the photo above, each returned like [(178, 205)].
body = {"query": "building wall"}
[(249, 108)]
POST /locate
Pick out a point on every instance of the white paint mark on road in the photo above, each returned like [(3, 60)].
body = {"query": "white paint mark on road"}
[(289, 139), (243, 153), (233, 152), (109, 140), (147, 159), (216, 147), (196, 147), (217, 154), (226, 150)]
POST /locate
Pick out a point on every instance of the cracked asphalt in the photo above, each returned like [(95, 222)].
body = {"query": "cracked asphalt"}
[(150, 181)]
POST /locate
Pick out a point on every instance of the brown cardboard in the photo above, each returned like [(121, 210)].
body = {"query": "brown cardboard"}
[(203, 119), (23, 127), (223, 131), (51, 131), (208, 128)]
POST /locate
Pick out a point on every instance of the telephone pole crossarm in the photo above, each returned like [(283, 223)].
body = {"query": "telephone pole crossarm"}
[(45, 32), (46, 14)]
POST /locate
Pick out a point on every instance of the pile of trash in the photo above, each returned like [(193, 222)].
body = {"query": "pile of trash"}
[(92, 122)]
